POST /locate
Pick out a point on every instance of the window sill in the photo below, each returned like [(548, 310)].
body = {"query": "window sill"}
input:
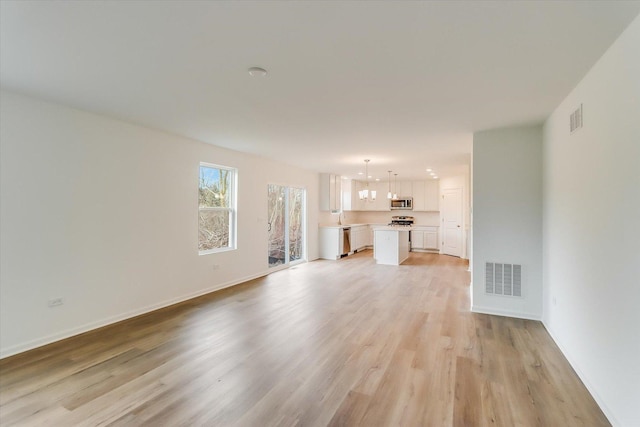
[(215, 251)]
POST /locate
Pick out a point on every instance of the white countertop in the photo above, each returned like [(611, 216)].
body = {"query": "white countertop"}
[(400, 228), (340, 226), (392, 228), (379, 226)]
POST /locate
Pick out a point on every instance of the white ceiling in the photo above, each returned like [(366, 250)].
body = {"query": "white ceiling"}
[(404, 84)]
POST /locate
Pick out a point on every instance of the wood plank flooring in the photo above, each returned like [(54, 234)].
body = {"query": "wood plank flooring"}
[(328, 343)]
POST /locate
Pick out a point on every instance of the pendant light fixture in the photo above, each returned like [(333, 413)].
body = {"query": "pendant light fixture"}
[(389, 195), (372, 193), (365, 194), (395, 187)]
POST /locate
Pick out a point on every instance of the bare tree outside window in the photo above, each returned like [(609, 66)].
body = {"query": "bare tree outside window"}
[(216, 208), (276, 224), (296, 200), (285, 224)]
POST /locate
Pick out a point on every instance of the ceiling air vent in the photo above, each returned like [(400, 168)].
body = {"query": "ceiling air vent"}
[(503, 279), (575, 120)]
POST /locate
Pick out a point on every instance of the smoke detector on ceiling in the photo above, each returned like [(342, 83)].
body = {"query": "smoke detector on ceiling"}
[(257, 72)]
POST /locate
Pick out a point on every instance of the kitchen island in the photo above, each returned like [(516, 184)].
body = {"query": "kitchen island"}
[(391, 244)]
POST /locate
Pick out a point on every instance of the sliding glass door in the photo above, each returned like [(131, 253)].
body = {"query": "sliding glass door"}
[(296, 224), (285, 224)]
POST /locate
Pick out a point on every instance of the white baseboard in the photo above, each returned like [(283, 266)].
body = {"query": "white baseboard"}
[(39, 342), (583, 377), (505, 313), (427, 251)]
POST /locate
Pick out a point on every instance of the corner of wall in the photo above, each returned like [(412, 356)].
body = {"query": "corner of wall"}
[(507, 216)]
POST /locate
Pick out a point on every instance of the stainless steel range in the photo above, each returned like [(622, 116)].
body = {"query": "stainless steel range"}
[(402, 221)]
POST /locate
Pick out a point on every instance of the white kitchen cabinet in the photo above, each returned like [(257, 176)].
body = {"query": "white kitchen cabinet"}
[(417, 239), (330, 192), (391, 246), (405, 189), (332, 241), (351, 196), (367, 204), (425, 195), (360, 237), (354, 239), (424, 238), (418, 195), (431, 239), (347, 195), (363, 234), (432, 195), (381, 203)]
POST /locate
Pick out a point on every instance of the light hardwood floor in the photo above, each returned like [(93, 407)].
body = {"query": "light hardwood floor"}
[(340, 343)]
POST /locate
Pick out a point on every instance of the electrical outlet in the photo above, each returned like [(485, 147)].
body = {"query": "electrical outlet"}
[(53, 302)]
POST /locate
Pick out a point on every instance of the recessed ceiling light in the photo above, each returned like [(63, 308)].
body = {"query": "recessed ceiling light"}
[(377, 179), (432, 174), (435, 177), (360, 173), (429, 170), (369, 176), (257, 72)]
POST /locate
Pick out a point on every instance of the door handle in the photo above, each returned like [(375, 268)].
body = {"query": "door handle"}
[(458, 226), (269, 229)]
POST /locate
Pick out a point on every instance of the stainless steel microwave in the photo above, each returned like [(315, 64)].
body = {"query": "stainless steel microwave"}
[(405, 203)]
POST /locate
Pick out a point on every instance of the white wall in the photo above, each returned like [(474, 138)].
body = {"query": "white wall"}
[(104, 214), (507, 216), (592, 230)]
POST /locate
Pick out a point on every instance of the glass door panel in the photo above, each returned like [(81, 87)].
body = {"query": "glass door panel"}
[(285, 224), (276, 225), (296, 225)]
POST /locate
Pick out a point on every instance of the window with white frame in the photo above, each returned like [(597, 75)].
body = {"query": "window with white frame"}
[(216, 208)]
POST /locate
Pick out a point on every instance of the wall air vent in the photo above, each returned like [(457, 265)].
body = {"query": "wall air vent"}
[(503, 279), (575, 120)]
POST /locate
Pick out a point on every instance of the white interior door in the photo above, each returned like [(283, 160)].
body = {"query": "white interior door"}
[(452, 222)]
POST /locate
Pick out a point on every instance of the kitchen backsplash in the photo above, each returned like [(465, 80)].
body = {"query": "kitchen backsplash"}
[(364, 217)]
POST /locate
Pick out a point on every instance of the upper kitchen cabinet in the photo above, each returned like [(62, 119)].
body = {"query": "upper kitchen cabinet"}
[(350, 196), (330, 192), (405, 189), (348, 190), (425, 195), (354, 196), (432, 195), (418, 195), (381, 203)]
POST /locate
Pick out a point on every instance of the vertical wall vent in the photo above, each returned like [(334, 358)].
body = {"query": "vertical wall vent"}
[(575, 120), (503, 279)]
